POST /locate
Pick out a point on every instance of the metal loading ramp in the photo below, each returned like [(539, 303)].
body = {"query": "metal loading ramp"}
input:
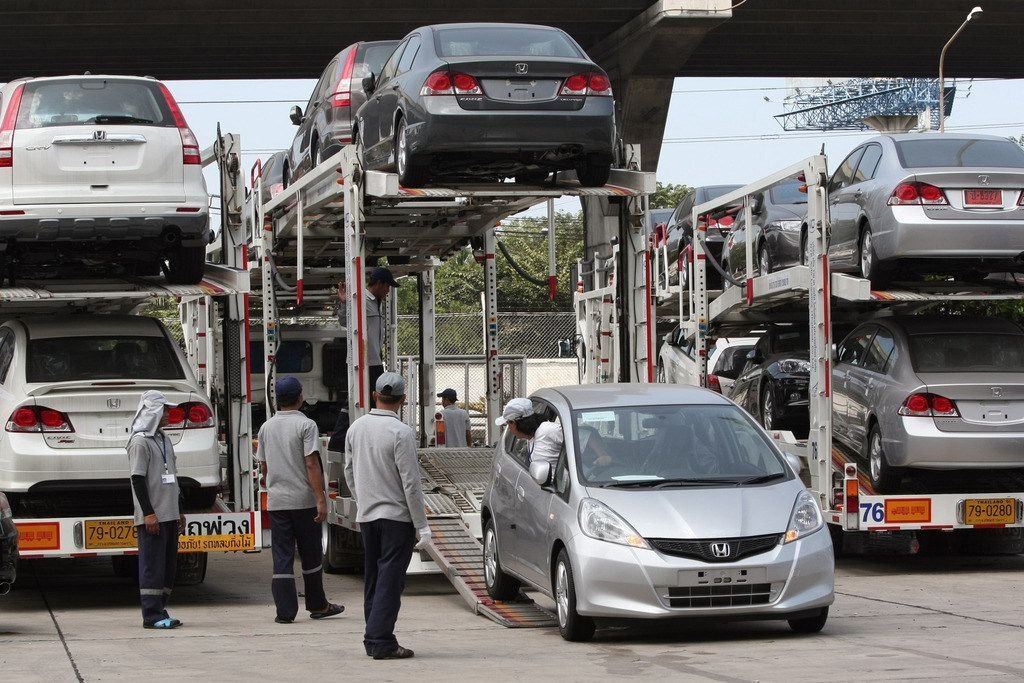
[(454, 482)]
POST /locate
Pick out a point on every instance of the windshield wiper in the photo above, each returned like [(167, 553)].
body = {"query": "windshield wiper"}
[(116, 118), (663, 483), (761, 479)]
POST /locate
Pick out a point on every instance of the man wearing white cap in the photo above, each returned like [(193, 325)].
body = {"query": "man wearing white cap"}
[(154, 479), (545, 438)]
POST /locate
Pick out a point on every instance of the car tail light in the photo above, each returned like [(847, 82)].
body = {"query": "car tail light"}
[(176, 417), (199, 415), (342, 96), (466, 85), (10, 122), (38, 419), (917, 193), (437, 83), (714, 384), (575, 85), (600, 85), (928, 405), (190, 155)]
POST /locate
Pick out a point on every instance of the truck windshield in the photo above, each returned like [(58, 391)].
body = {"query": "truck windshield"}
[(92, 101), (967, 352), (73, 359), (666, 444)]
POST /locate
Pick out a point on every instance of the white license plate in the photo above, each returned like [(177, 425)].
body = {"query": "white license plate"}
[(722, 577)]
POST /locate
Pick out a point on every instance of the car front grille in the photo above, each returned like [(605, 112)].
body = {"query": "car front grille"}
[(711, 550), (730, 595)]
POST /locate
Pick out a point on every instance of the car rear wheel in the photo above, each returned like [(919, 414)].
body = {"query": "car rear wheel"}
[(571, 624), (810, 624), (884, 477), (186, 265), (500, 585), (314, 154), (803, 248), (410, 173), (870, 267), (592, 171)]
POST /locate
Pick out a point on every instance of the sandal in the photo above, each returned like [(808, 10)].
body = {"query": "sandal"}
[(328, 611), (164, 624)]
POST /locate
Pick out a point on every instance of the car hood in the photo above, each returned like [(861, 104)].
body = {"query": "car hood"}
[(729, 512)]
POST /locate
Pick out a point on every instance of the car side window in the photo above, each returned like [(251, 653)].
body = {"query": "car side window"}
[(391, 67), (326, 88), (854, 349), (517, 449), (879, 351), (317, 96), (411, 49), (686, 208), (560, 479), (6, 354), (844, 176), (868, 164)]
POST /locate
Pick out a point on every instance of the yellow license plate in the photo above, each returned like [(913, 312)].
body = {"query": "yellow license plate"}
[(101, 534), (983, 511)]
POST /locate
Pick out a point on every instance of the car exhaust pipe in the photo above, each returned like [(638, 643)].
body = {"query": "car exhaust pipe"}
[(5, 587), (172, 236)]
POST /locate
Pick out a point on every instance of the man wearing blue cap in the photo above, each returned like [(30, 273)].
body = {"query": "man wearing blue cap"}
[(289, 455), (378, 284)]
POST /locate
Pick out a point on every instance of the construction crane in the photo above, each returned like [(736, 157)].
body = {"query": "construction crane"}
[(866, 103)]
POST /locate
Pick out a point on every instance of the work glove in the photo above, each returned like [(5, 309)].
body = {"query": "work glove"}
[(424, 538)]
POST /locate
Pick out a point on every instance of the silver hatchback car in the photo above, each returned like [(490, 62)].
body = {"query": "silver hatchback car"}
[(932, 392), (666, 502)]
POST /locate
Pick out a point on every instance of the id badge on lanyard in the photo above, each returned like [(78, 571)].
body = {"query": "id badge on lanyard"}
[(166, 477)]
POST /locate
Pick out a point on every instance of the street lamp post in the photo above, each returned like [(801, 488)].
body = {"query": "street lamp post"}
[(942, 62)]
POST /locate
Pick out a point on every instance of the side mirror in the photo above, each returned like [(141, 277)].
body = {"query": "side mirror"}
[(754, 357), (835, 354), (369, 84), (793, 461), (295, 114), (758, 203), (540, 472)]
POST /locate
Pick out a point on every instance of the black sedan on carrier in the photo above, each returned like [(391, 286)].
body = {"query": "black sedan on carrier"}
[(488, 101)]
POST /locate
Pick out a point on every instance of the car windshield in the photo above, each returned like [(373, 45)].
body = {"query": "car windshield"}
[(938, 153), (788, 193), (791, 341), (673, 445), (967, 352), (294, 356), (510, 41), (372, 58), (715, 191), (92, 101), (71, 359)]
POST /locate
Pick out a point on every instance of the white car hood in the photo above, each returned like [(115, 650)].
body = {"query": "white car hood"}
[(728, 512)]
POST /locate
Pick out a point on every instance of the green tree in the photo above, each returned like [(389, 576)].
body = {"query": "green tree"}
[(668, 195)]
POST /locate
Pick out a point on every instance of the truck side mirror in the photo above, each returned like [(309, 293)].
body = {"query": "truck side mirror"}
[(295, 114)]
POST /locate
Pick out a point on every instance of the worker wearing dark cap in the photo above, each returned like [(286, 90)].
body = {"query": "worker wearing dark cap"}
[(289, 455), (378, 283), (456, 421), (383, 472)]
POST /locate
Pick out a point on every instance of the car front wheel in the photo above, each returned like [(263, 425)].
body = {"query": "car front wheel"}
[(764, 261), (768, 420), (571, 624), (810, 624), (186, 265), (500, 585)]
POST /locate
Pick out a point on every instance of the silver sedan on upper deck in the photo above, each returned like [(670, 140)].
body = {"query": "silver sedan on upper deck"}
[(666, 501), (925, 203)]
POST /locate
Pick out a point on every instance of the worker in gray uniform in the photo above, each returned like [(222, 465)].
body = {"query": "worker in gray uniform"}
[(158, 519), (378, 284), (456, 421), (383, 473)]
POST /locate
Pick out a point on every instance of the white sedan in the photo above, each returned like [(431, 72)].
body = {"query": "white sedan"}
[(677, 363)]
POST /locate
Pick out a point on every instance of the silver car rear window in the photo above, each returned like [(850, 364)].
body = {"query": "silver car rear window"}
[(504, 41), (92, 101), (967, 352), (651, 443), (72, 359), (958, 153)]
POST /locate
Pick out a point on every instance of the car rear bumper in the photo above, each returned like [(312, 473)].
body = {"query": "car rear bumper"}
[(919, 443), (83, 222), (619, 581), (447, 127), (911, 234)]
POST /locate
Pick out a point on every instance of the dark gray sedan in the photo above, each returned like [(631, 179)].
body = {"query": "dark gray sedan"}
[(928, 203), (488, 101), (931, 392), (778, 215)]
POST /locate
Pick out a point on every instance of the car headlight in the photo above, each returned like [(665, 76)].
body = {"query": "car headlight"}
[(789, 226), (806, 518), (795, 367), (598, 521), (5, 508)]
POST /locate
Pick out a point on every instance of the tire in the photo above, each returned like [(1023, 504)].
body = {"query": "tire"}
[(314, 154), (803, 248), (884, 477), (410, 173), (571, 624), (286, 176), (191, 569), (764, 260), (591, 171), (662, 378), (726, 282), (125, 566), (870, 267), (199, 499), (767, 412), (810, 624), (186, 265), (343, 550), (500, 585)]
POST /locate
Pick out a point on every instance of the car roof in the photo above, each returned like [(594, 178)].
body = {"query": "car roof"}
[(91, 325), (901, 137), (487, 24), (931, 324), (584, 396), (90, 77)]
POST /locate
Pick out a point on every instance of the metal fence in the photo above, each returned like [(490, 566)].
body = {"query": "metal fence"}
[(533, 335)]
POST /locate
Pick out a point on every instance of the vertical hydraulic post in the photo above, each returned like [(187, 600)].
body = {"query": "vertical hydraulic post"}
[(270, 316), (428, 356), (392, 359), (355, 280), (748, 217), (698, 318), (300, 230), (491, 333), (552, 266)]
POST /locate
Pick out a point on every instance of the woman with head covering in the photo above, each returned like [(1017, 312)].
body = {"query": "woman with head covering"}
[(158, 519)]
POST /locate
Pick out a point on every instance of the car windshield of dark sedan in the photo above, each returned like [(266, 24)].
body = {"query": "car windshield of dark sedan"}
[(788, 193), (673, 445), (497, 41), (967, 352), (936, 153)]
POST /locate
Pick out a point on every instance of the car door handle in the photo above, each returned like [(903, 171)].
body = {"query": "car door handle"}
[(520, 492)]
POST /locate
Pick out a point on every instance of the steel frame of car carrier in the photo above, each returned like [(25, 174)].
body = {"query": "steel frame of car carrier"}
[(814, 294), (334, 223), (234, 523)]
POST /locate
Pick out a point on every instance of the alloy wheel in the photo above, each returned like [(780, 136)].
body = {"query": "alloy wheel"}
[(767, 410), (490, 558), (562, 594), (875, 457), (866, 254), (764, 263), (402, 155)]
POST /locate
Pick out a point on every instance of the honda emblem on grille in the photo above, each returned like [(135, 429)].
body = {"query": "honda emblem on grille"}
[(983, 179), (997, 392), (522, 67), (99, 135), (721, 549), (114, 403)]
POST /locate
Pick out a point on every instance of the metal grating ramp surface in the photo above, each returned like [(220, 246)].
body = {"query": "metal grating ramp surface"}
[(459, 554)]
